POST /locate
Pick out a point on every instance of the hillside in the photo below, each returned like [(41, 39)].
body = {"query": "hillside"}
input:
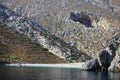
[(38, 34), (18, 48), (73, 30), (54, 16)]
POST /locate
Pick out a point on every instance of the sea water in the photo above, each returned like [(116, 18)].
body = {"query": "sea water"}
[(48, 73)]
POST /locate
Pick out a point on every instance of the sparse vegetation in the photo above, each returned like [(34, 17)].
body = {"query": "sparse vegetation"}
[(17, 48)]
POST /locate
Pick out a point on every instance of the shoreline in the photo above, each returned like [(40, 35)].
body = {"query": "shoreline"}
[(62, 65)]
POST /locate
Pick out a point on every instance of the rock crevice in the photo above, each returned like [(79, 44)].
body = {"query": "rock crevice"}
[(108, 59)]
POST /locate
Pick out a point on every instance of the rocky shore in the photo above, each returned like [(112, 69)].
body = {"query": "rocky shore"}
[(107, 59), (76, 31)]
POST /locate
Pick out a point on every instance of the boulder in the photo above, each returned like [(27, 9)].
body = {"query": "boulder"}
[(91, 65), (104, 59)]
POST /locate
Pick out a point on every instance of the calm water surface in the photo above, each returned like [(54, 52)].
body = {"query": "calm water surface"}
[(41, 73)]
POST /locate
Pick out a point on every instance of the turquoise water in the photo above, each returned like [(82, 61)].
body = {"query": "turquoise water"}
[(41, 73)]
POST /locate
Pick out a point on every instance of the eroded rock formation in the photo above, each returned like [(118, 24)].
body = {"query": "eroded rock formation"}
[(39, 35), (108, 59), (53, 15), (93, 22)]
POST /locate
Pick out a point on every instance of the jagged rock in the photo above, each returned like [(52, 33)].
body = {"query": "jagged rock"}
[(91, 65), (90, 20), (114, 39), (115, 64), (104, 59), (112, 49), (17, 10), (54, 17), (106, 56), (39, 35)]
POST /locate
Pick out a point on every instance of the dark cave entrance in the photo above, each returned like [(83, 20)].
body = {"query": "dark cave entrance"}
[(82, 18)]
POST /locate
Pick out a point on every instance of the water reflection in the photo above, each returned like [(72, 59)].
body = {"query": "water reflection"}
[(24, 73), (104, 75)]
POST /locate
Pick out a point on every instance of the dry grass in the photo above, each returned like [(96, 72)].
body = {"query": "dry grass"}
[(16, 48)]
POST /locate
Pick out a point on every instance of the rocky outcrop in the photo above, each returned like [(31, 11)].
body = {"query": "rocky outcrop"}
[(37, 34), (104, 59), (106, 56), (91, 65), (54, 15), (90, 20), (108, 59), (101, 3), (115, 64), (70, 21), (114, 39)]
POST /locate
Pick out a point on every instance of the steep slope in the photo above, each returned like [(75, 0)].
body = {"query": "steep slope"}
[(39, 35), (49, 12), (69, 28), (18, 48), (101, 3), (54, 16)]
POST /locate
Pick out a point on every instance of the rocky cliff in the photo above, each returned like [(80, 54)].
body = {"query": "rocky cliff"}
[(70, 29), (39, 35), (107, 59), (55, 16)]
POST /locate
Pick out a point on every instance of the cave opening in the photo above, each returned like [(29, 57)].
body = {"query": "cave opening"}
[(82, 18)]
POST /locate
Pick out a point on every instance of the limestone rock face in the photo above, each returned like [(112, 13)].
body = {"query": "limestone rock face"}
[(106, 56), (115, 64), (93, 22), (112, 49), (39, 35), (54, 15), (108, 59)]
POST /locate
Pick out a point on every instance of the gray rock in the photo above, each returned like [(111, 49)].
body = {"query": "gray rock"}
[(115, 64), (91, 65), (101, 3), (104, 59), (112, 49), (39, 35), (114, 39), (106, 56), (17, 9), (11, 18), (54, 16)]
